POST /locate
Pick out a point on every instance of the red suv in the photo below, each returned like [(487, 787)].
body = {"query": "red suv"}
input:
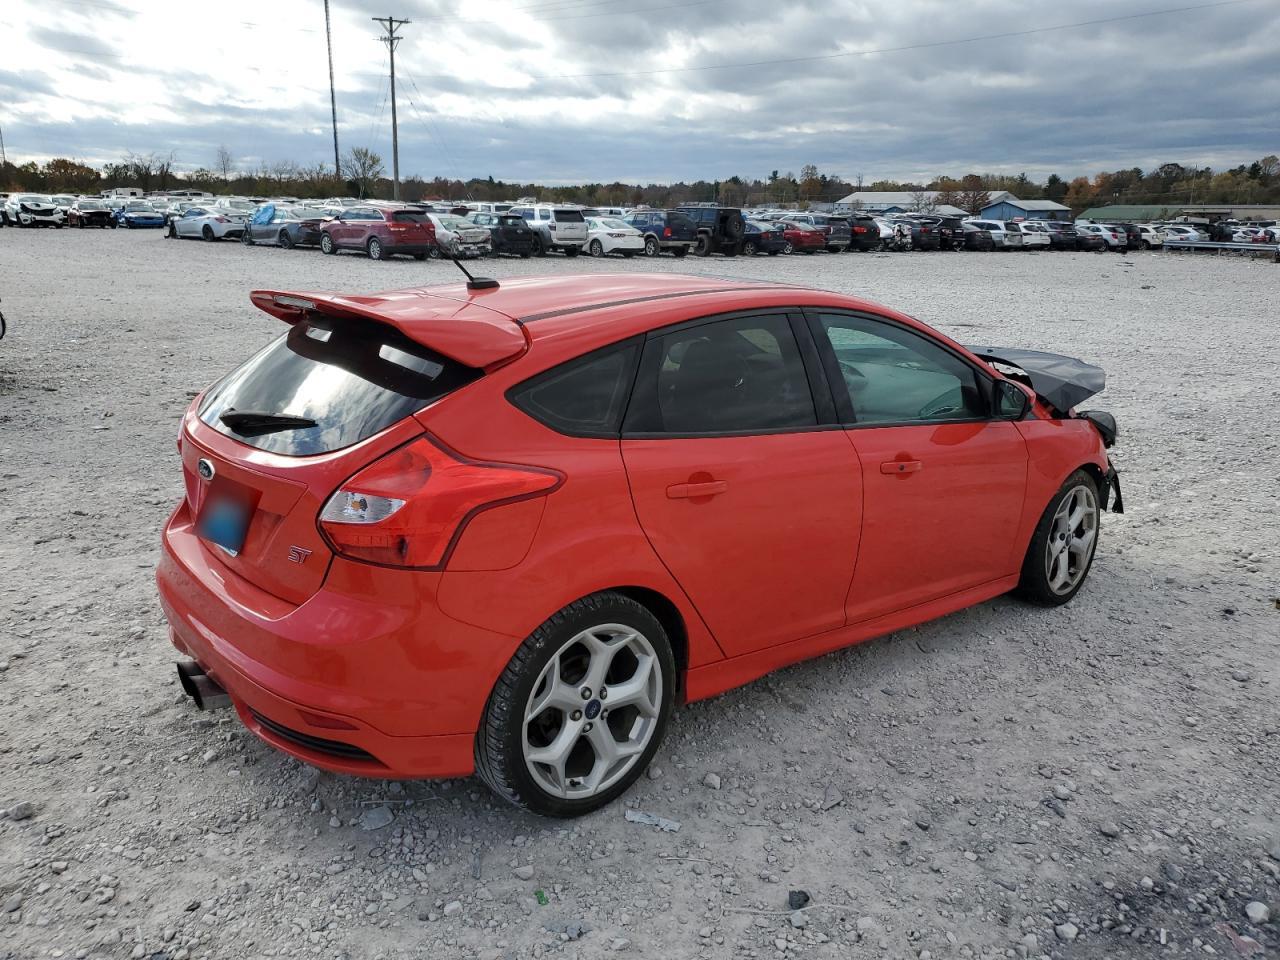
[(380, 232), (506, 529)]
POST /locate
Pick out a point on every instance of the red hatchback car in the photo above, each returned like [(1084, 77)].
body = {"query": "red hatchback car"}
[(803, 238), (503, 530), (380, 232)]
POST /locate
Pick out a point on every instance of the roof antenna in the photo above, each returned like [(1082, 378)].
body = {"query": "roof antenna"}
[(473, 283)]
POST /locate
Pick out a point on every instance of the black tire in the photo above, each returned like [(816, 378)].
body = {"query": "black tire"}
[(499, 754), (628, 254), (651, 247), (207, 233), (245, 238), (596, 249), (285, 239), (1034, 584), (787, 247), (326, 244), (572, 251), (703, 247), (374, 248), (435, 253), (773, 253), (525, 256), (539, 250), (680, 251), (419, 256), (172, 233), (114, 225)]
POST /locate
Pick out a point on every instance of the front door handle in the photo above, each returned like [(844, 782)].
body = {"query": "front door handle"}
[(901, 466), (690, 491)]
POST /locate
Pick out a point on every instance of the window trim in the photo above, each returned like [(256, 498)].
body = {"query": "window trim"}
[(847, 414), (824, 414)]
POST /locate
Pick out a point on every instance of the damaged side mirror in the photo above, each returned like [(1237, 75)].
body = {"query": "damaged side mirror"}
[(1011, 402)]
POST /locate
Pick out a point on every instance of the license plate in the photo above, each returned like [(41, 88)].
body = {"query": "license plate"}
[(224, 519)]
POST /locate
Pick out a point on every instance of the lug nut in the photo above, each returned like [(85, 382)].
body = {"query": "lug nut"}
[(576, 715), (604, 693), (587, 728), (586, 693)]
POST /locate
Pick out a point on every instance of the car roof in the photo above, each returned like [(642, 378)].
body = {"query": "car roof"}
[(490, 328)]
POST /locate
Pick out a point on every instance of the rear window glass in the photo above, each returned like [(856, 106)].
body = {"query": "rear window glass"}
[(353, 377), (583, 397), (410, 218), (568, 216)]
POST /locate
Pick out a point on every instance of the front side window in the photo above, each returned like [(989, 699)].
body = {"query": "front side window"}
[(896, 376), (741, 375)]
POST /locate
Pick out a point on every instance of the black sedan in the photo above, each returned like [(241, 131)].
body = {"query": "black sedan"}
[(763, 236), (509, 233), (975, 238), (286, 226)]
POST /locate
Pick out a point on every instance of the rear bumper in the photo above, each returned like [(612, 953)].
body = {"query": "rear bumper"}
[(362, 678)]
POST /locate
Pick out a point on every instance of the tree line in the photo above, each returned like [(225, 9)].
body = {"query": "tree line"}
[(363, 174)]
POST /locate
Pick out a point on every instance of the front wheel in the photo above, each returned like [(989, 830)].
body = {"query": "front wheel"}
[(1063, 546), (172, 234), (788, 247), (326, 244), (375, 248), (596, 249), (580, 710), (651, 248)]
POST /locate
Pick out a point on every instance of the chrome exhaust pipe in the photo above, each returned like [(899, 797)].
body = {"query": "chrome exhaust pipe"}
[(200, 687)]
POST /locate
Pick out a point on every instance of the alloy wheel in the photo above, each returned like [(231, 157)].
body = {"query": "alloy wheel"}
[(592, 712), (1072, 537)]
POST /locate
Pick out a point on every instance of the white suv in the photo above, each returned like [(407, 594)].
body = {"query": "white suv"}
[(555, 227), (1004, 238)]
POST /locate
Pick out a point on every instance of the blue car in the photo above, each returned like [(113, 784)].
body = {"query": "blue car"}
[(139, 213)]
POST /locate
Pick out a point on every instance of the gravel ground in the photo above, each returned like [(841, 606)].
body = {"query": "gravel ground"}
[(1097, 780)]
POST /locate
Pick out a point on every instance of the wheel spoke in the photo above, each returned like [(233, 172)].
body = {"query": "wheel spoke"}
[(635, 691), (556, 753), (558, 694), (609, 752)]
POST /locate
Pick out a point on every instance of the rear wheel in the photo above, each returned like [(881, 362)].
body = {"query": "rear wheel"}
[(538, 249), (419, 256), (1063, 546), (172, 233), (572, 251), (596, 249), (246, 239), (207, 232), (375, 248), (285, 239), (581, 708), (703, 247), (651, 248)]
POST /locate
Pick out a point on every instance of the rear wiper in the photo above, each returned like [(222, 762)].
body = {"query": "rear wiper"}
[(254, 423)]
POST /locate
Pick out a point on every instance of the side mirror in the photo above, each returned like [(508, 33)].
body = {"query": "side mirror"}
[(1011, 401)]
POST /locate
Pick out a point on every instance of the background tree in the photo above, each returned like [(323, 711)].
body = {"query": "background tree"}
[(224, 162), (364, 168), (973, 195), (922, 201)]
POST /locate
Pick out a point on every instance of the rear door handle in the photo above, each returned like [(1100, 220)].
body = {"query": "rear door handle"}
[(901, 466), (688, 491)]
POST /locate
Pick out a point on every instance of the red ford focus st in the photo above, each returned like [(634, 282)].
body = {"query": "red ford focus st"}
[(505, 529)]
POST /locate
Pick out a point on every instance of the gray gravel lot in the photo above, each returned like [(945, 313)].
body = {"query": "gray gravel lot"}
[(1097, 780)]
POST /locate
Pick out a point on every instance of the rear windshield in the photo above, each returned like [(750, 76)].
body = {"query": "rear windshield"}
[(568, 216), (353, 377)]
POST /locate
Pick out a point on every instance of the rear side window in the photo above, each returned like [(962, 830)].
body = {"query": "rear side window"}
[(352, 377), (402, 217), (585, 397), (742, 375)]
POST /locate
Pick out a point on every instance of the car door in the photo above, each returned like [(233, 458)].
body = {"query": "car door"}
[(943, 479), (747, 490), (187, 223)]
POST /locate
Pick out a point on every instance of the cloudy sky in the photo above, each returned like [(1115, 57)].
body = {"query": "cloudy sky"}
[(650, 90)]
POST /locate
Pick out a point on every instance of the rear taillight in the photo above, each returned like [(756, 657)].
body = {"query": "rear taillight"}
[(408, 508), (666, 231), (221, 219), (859, 229)]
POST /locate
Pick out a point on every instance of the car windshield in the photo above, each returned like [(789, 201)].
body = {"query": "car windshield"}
[(63, 198), (452, 222), (139, 206), (32, 198), (615, 224), (89, 205)]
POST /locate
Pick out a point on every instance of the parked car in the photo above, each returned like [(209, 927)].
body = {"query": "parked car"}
[(763, 236), (864, 233), (1132, 236), (1035, 235), (507, 233), (1062, 234), (206, 224), (90, 212), (458, 237), (63, 202), (720, 229), (836, 229), (1113, 237), (1088, 240), (1005, 239), (607, 235), (236, 208), (284, 226), (1179, 232), (381, 232), (664, 231), (420, 537), (32, 210), (924, 234), (1149, 237), (555, 227), (973, 237), (139, 213), (894, 235), (802, 237)]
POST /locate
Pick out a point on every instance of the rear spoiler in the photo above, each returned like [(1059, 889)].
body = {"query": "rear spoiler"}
[(468, 332), (1061, 382)]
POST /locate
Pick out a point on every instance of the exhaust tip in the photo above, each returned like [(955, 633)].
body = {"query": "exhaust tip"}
[(200, 687)]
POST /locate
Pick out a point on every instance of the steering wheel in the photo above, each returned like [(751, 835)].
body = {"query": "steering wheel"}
[(950, 402)]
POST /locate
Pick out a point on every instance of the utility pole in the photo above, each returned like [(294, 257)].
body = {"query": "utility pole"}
[(391, 25), (333, 99), (4, 161)]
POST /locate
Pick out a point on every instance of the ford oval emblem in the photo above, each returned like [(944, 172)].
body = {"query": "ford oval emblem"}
[(205, 469)]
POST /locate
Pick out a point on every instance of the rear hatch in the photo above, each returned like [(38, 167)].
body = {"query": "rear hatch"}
[(411, 228), (569, 226), (272, 440), (679, 227)]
